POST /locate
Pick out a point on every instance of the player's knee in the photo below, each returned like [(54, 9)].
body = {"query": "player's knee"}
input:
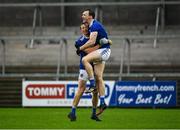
[(99, 78), (81, 90), (84, 60)]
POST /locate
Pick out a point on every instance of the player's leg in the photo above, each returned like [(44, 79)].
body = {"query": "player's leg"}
[(99, 70), (94, 101), (93, 56), (94, 106), (79, 93), (81, 87)]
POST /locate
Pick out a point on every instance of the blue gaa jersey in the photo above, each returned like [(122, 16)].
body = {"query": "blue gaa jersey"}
[(96, 26), (79, 42)]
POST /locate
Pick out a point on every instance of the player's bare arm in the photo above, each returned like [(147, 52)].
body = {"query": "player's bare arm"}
[(90, 42), (91, 49)]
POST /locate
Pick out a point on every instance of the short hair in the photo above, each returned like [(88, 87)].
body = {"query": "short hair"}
[(81, 25), (91, 13), (84, 23)]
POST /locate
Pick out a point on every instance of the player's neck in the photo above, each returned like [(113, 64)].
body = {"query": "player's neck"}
[(86, 35), (90, 22)]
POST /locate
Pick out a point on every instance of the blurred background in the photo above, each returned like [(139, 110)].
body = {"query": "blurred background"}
[(37, 41)]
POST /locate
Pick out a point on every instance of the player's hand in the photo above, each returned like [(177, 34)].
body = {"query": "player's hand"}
[(78, 51), (105, 41), (76, 45), (110, 41)]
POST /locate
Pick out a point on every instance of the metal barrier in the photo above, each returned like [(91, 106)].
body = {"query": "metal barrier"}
[(3, 56), (127, 47), (62, 42), (127, 41), (36, 10), (156, 27)]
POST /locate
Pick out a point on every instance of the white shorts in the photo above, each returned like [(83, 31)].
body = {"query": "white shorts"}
[(104, 54), (83, 75)]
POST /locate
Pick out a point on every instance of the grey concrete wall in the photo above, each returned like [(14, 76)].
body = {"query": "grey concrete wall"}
[(142, 51)]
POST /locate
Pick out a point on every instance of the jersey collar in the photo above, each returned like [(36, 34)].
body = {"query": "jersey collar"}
[(91, 23), (84, 36)]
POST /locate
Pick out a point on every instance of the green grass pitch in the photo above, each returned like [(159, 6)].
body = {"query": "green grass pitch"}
[(112, 118)]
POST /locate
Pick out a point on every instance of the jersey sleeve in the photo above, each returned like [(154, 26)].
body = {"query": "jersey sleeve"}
[(94, 28)]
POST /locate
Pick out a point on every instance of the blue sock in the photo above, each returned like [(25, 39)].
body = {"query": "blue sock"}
[(73, 110), (92, 82), (93, 111), (102, 100)]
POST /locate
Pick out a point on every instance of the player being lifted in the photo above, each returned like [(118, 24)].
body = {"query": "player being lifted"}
[(98, 57)]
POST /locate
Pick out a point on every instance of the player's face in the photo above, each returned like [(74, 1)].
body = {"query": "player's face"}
[(84, 29), (85, 16)]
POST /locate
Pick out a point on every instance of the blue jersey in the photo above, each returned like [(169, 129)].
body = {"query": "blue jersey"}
[(98, 27), (79, 42)]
